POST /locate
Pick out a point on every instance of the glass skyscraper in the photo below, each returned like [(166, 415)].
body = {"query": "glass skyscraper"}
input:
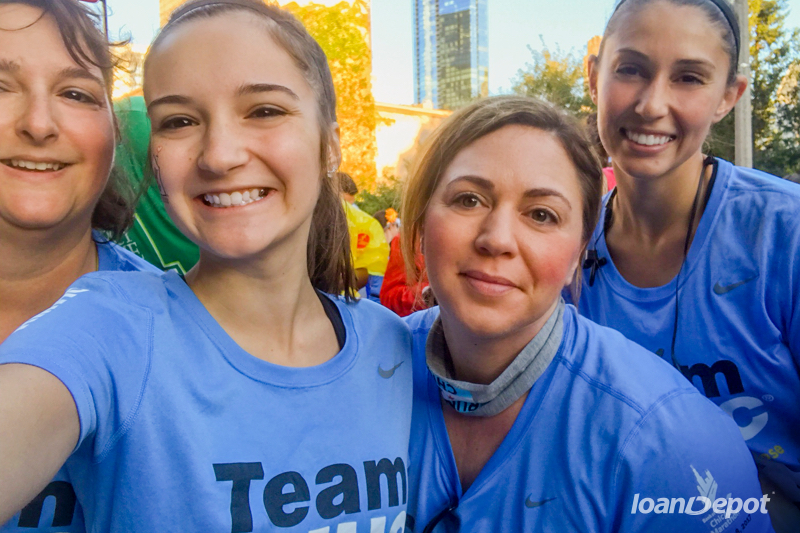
[(451, 52)]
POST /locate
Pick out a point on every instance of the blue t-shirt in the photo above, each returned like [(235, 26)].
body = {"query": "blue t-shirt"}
[(738, 332), (56, 507), (182, 430), (606, 429)]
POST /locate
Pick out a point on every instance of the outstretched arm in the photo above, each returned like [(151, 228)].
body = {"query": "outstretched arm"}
[(40, 428)]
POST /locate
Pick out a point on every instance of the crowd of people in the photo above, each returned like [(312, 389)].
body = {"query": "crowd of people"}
[(533, 343)]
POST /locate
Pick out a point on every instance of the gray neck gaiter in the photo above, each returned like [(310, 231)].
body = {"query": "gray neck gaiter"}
[(488, 400)]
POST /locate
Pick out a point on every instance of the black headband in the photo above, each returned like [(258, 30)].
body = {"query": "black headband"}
[(727, 11)]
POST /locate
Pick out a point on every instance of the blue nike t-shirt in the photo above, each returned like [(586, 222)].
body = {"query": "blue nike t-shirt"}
[(738, 331), (609, 439), (182, 430), (56, 507)]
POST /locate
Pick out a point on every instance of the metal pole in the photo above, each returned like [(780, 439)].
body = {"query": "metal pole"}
[(744, 109)]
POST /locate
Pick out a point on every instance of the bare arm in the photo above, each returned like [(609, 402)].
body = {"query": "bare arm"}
[(39, 428)]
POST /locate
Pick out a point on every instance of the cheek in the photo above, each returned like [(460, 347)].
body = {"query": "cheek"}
[(171, 162), (553, 261), (441, 241)]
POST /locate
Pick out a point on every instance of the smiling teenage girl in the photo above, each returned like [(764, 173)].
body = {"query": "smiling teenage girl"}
[(699, 262), (57, 136), (532, 418), (242, 398)]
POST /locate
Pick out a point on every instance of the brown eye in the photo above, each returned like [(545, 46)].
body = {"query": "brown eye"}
[(543, 216), (467, 201)]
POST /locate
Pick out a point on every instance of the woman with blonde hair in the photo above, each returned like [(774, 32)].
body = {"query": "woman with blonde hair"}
[(528, 417)]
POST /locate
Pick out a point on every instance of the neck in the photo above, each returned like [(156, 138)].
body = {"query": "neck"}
[(36, 267), (654, 208), (268, 306), (480, 359)]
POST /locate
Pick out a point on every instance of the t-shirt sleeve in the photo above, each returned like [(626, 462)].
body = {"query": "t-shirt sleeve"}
[(683, 457), (97, 344)]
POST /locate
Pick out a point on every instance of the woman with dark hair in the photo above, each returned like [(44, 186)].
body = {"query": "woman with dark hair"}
[(58, 205), (528, 417), (242, 397), (694, 258)]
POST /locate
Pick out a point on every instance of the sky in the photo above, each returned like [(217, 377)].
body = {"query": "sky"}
[(513, 26)]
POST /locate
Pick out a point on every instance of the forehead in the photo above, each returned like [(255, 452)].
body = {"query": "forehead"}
[(217, 55), (518, 158), (665, 29), (35, 45)]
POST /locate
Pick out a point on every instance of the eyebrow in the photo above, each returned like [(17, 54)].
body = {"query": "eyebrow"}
[(78, 73), (256, 88), (537, 192), (682, 62), (8, 66), (171, 99)]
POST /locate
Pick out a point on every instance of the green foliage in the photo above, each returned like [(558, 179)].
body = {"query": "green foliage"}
[(557, 77), (387, 194), (342, 31), (774, 51)]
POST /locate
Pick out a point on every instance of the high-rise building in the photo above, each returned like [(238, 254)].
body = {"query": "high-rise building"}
[(451, 52)]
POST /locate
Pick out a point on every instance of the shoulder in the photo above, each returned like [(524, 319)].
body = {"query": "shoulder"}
[(370, 319), (112, 256), (620, 369), (754, 190)]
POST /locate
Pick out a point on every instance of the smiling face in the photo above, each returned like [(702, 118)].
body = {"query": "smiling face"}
[(503, 232), (236, 138), (659, 86), (56, 128)]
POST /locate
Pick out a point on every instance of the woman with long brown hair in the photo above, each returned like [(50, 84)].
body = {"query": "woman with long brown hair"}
[(245, 396)]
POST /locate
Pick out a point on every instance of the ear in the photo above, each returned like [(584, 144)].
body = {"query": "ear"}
[(334, 148), (594, 68), (732, 95)]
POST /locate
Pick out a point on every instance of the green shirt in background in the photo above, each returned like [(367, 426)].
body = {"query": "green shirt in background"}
[(153, 235)]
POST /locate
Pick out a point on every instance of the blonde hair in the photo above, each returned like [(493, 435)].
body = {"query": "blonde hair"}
[(474, 122)]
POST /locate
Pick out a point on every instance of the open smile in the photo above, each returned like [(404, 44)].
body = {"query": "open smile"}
[(647, 139), (235, 198), (36, 166)]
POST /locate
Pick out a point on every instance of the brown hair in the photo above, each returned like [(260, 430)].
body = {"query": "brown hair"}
[(713, 12), (329, 259), (88, 46), (475, 121)]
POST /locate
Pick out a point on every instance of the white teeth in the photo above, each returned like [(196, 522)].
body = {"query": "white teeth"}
[(647, 140), (236, 198), (31, 165)]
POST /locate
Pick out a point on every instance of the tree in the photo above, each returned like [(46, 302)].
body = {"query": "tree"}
[(773, 50), (343, 32), (557, 77)]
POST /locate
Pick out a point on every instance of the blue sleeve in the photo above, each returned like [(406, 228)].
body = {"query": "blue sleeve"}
[(793, 273), (706, 458), (98, 345)]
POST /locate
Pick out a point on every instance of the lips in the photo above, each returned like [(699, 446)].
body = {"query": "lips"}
[(36, 166), (647, 139), (235, 198), (487, 284)]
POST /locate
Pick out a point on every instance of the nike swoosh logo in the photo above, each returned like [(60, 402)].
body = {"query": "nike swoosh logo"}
[(530, 504), (719, 289), (386, 374)]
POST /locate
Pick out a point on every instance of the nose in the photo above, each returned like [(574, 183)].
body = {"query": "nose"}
[(222, 149), (37, 122), (654, 99), (496, 233)]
